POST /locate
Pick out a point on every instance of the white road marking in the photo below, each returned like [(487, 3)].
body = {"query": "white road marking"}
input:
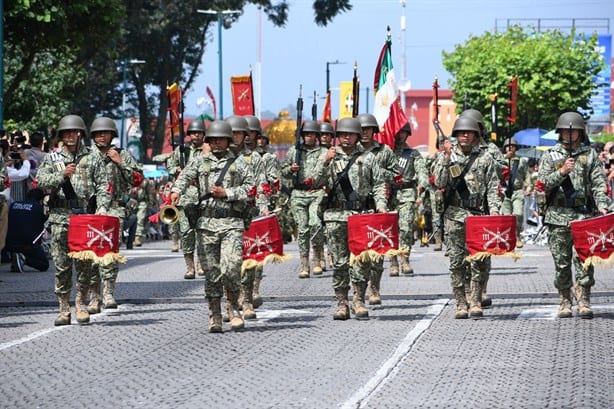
[(390, 367), (266, 315), (46, 331), (550, 312)]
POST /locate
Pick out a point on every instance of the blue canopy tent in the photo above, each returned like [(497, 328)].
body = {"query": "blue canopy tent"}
[(530, 136), (551, 138)]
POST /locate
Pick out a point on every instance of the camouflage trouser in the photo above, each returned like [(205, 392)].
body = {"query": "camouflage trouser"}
[(437, 219), (107, 271), (64, 264), (305, 208), (343, 273), (187, 234), (222, 253), (407, 219), (259, 272), (514, 206), (248, 275), (457, 251), (561, 247), (141, 216), (286, 220)]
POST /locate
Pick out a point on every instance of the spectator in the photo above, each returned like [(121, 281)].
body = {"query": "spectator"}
[(36, 153), (26, 225), (18, 170)]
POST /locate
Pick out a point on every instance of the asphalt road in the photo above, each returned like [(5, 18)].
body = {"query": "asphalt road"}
[(154, 351)]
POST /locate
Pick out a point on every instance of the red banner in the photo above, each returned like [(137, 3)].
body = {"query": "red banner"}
[(490, 235), (326, 113), (242, 94), (94, 237), (593, 240), (373, 232), (263, 242), (174, 98)]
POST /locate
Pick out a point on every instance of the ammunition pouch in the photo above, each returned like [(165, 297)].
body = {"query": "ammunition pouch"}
[(192, 213), (439, 201), (91, 205)]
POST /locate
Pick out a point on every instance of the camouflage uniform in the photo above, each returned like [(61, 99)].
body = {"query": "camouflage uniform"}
[(90, 179), (220, 226), (513, 199), (587, 180), (121, 178), (388, 164), (434, 200), (305, 200), (412, 169), (143, 195), (366, 179), (482, 184), (187, 234)]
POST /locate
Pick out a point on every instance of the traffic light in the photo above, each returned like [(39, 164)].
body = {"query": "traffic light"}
[(512, 103)]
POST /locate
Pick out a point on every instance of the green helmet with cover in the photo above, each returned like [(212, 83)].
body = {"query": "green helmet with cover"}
[(350, 125), (238, 123), (219, 129), (253, 123), (465, 123), (368, 121), (72, 122), (196, 126), (327, 127), (310, 126), (103, 124)]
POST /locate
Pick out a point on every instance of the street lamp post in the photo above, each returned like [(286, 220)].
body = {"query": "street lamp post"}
[(219, 51), (125, 63)]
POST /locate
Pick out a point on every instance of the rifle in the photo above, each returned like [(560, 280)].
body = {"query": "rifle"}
[(436, 125), (314, 108), (299, 120), (181, 132), (355, 91)]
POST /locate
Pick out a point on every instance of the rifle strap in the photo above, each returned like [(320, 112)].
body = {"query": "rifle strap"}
[(404, 160), (510, 183), (459, 183), (220, 179), (343, 180)]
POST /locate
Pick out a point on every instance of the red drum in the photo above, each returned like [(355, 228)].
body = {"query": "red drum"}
[(93, 236)]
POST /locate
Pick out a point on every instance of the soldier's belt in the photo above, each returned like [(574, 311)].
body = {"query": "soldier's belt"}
[(59, 203), (302, 186), (357, 205), (220, 213), (574, 203), (407, 185)]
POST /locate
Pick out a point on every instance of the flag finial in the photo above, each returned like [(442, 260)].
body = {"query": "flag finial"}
[(388, 33)]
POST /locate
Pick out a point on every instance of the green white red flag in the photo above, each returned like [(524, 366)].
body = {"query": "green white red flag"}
[(388, 110)]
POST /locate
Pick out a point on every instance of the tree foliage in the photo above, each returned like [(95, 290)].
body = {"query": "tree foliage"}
[(555, 74)]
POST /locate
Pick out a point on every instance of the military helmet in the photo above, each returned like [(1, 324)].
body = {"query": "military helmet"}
[(406, 128), (237, 123), (465, 123), (103, 124), (253, 123), (72, 122), (476, 116), (368, 121), (310, 126), (196, 126), (327, 127), (510, 141), (570, 120), (218, 129), (350, 125)]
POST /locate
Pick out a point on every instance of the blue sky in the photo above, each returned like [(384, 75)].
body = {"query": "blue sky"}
[(297, 53)]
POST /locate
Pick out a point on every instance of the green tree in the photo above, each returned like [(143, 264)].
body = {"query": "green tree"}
[(555, 74), (179, 35), (49, 49)]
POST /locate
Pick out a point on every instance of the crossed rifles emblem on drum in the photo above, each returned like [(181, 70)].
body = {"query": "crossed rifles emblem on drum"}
[(100, 235), (380, 236), (602, 239), (254, 244), (497, 238)]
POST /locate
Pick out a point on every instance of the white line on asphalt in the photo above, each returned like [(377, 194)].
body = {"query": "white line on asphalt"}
[(390, 367), (550, 312), (46, 331)]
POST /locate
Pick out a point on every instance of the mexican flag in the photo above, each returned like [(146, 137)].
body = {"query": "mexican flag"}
[(388, 111)]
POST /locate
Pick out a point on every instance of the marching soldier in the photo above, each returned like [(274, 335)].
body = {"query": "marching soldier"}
[(575, 189), (74, 175), (145, 200), (387, 161), (517, 183), (469, 177), (188, 213), (500, 164), (351, 175), (307, 196), (223, 181), (272, 176), (327, 136), (259, 205), (120, 166)]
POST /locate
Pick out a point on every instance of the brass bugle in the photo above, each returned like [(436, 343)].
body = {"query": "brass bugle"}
[(169, 214)]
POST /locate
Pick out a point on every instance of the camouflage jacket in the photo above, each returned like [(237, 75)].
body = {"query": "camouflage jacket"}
[(310, 166), (272, 167), (174, 170), (366, 180), (481, 181), (238, 181), (499, 160), (412, 168), (386, 159), (523, 176), (120, 176), (587, 179), (90, 179), (254, 159)]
